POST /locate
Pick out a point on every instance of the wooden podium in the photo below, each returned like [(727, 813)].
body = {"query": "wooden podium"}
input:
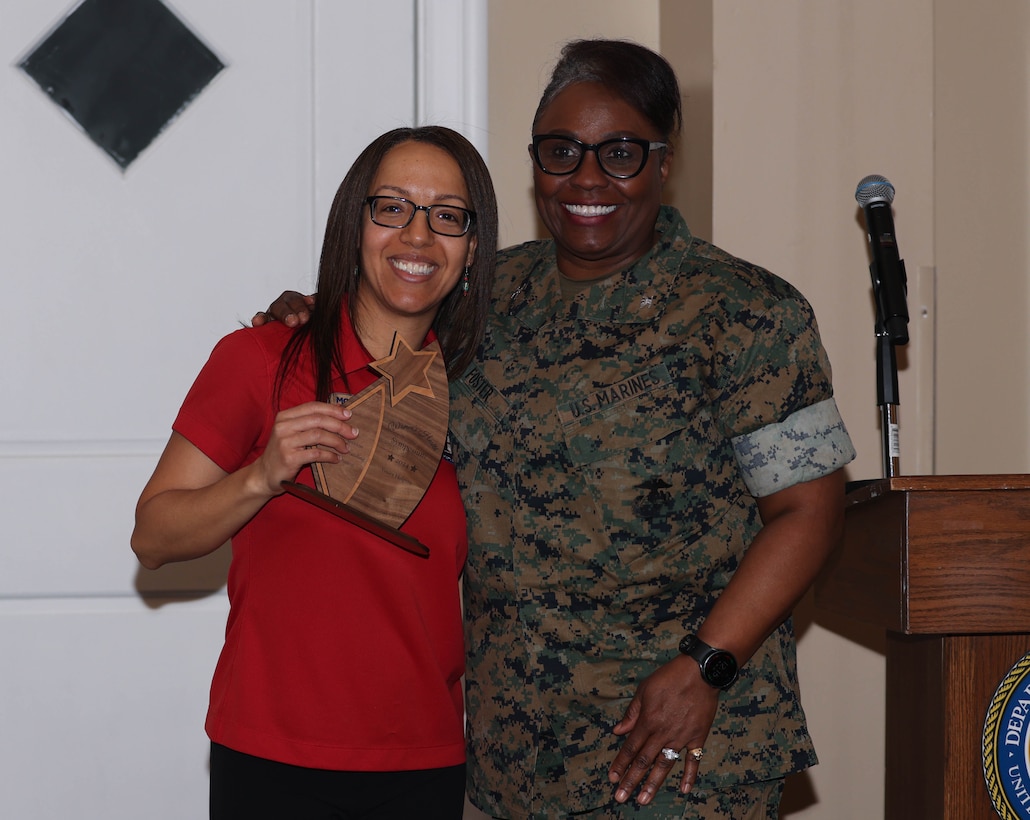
[(942, 563)]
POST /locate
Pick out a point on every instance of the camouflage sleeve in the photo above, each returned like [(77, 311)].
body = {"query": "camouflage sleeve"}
[(808, 444), (770, 361)]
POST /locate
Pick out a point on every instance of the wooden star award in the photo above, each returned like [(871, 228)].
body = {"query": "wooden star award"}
[(402, 424)]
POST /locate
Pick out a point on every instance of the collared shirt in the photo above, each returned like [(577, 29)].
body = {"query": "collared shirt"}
[(610, 448), (342, 651)]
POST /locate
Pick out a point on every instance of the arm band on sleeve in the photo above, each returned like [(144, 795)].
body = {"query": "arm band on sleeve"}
[(806, 445)]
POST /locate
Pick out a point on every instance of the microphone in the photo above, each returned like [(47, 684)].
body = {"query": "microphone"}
[(890, 284)]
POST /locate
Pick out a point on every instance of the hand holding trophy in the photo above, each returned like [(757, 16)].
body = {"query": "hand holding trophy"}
[(403, 421)]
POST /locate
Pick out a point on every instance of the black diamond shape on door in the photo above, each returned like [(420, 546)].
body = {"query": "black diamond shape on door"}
[(123, 70)]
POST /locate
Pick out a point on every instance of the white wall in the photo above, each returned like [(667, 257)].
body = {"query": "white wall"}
[(123, 282)]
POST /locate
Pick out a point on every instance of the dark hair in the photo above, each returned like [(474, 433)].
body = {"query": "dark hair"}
[(638, 75), (460, 322)]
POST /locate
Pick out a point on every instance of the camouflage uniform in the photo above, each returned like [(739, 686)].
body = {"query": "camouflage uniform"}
[(610, 447)]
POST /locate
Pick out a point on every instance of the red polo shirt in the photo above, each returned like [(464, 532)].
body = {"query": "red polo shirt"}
[(342, 651)]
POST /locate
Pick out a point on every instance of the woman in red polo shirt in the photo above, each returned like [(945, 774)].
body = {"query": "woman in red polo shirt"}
[(338, 689)]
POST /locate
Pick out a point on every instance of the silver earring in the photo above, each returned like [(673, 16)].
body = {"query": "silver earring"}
[(465, 282)]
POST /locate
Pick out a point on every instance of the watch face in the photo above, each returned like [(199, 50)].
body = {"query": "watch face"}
[(720, 669)]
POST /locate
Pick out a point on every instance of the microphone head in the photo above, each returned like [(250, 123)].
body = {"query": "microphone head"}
[(874, 188)]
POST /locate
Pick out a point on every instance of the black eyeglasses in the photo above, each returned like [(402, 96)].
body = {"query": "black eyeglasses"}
[(397, 212), (622, 158)]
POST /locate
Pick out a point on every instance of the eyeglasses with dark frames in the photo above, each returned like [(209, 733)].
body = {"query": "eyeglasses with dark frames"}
[(621, 158), (397, 212)]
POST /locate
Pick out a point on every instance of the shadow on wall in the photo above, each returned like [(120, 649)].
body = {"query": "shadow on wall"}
[(186, 580)]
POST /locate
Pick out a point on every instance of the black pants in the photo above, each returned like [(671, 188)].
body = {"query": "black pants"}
[(252, 788)]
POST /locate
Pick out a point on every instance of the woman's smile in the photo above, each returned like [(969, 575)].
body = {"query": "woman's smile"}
[(600, 223), (406, 272)]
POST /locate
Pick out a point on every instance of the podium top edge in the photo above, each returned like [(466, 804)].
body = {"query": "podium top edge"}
[(865, 491)]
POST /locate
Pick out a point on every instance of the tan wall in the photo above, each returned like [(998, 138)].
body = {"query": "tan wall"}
[(790, 105), (981, 206)]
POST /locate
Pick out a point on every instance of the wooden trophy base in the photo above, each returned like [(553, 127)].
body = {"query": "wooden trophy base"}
[(341, 510)]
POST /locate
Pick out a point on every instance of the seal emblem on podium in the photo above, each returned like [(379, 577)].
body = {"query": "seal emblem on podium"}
[(1006, 744)]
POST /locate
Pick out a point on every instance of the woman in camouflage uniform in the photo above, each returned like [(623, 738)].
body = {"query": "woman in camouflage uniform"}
[(650, 456)]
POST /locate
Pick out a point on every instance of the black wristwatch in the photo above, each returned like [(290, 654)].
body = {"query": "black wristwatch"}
[(718, 667)]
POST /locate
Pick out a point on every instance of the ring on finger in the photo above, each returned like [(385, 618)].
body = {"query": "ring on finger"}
[(697, 753), (671, 754)]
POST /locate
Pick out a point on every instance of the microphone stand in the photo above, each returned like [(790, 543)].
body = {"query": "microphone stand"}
[(890, 332), (887, 398)]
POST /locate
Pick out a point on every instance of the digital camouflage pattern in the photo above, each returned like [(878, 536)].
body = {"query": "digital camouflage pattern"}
[(602, 444), (749, 801)]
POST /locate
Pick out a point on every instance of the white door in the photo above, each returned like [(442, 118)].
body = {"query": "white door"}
[(117, 283)]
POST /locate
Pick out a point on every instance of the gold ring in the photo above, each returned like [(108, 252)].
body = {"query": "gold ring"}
[(697, 753)]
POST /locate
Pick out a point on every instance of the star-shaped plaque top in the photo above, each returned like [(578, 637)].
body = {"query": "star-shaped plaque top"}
[(406, 370)]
